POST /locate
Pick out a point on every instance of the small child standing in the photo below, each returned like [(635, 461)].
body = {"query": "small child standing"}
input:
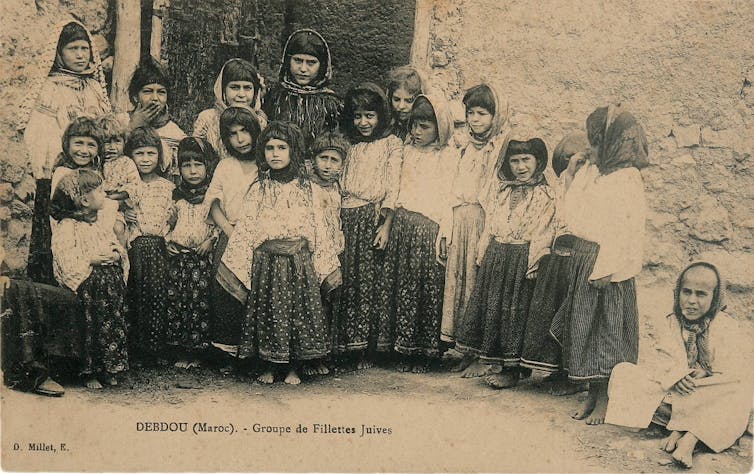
[(369, 183), (122, 179), (404, 84), (89, 260), (151, 221), (237, 85), (302, 96), (518, 231), (190, 245), (414, 276), (281, 254)]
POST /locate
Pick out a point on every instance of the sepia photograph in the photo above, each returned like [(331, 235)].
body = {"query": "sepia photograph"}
[(377, 235)]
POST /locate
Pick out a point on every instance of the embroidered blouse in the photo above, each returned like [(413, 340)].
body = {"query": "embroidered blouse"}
[(372, 173), (154, 208), (191, 228), (121, 175)]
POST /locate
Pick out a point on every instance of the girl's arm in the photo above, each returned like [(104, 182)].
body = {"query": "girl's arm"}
[(120, 232), (542, 234), (220, 220), (383, 231)]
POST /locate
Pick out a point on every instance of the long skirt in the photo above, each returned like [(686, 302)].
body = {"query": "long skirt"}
[(147, 295), (541, 350), (411, 298), (188, 308), (103, 299), (39, 264), (598, 329), (227, 311), (39, 322), (460, 271), (355, 314), (494, 323), (284, 319)]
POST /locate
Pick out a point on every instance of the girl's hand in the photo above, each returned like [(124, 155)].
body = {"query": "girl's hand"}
[(107, 257), (4, 283), (142, 116), (575, 163), (685, 386), (602, 283), (532, 275), (699, 374), (441, 250), (205, 248), (130, 216), (381, 238), (172, 250)]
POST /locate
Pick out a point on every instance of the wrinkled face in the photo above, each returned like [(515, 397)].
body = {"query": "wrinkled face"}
[(153, 94), (328, 165), (401, 101), (304, 68), (424, 132), (277, 153), (697, 290), (113, 147), (82, 150), (479, 119), (239, 93), (240, 139), (94, 200), (523, 166), (76, 55), (193, 172), (365, 121), (146, 158)]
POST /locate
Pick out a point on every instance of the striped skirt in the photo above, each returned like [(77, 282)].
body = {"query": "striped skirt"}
[(598, 329), (411, 297), (541, 350), (494, 322), (460, 270), (147, 295)]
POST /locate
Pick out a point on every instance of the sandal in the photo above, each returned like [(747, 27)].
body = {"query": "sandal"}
[(50, 388)]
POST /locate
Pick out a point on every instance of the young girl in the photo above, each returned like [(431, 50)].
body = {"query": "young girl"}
[(147, 283), (699, 385), (281, 254), (149, 91), (190, 245), (82, 148), (239, 129), (597, 323), (302, 97), (237, 85), (122, 179), (488, 132), (369, 184), (413, 275), (404, 84), (73, 85), (89, 260), (518, 231)]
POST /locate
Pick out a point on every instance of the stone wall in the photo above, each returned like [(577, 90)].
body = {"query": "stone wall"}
[(680, 67)]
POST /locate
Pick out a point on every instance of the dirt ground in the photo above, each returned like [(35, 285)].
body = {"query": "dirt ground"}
[(438, 422)]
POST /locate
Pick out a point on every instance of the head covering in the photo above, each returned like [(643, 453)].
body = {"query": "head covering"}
[(223, 80), (50, 65), (150, 71), (196, 149), (621, 140), (571, 144), (384, 113), (329, 141), (696, 333), (442, 114), (535, 147), (499, 119), (309, 42)]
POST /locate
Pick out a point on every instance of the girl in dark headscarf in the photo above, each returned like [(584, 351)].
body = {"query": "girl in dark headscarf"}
[(604, 209), (302, 96)]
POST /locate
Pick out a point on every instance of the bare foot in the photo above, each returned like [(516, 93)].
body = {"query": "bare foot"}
[(181, 364), (668, 444), (364, 363), (588, 406), (93, 383), (196, 363), (597, 417), (292, 378), (684, 451), (564, 387), (505, 379), (403, 365), (266, 378), (421, 366), (464, 363), (110, 380), (322, 369), (477, 369), (309, 369)]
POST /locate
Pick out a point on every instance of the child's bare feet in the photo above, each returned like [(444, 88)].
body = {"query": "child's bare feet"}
[(477, 369), (668, 444), (421, 365), (404, 364), (92, 383), (193, 364), (464, 363), (588, 406), (363, 363), (322, 369), (505, 379), (684, 451), (292, 378), (309, 369), (597, 416), (267, 377), (181, 364)]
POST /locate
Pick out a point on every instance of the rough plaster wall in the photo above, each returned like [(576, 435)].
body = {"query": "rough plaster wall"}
[(678, 66)]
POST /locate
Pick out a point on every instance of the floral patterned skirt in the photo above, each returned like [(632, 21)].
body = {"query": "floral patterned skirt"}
[(188, 305), (147, 295), (284, 319), (412, 292), (39, 264), (103, 300)]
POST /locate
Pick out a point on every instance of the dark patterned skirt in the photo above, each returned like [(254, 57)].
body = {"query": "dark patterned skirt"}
[(39, 322), (103, 300), (188, 306), (284, 320), (147, 295), (541, 350), (39, 264), (411, 298), (598, 329), (355, 315), (227, 312), (494, 322)]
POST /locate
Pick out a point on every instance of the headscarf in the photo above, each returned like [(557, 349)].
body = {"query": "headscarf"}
[(307, 41), (150, 71), (519, 189), (571, 144), (197, 149), (442, 114), (222, 81), (384, 114), (499, 120), (621, 139), (51, 66), (327, 141), (696, 333)]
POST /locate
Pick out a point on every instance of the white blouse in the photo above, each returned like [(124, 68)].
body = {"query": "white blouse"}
[(372, 173)]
